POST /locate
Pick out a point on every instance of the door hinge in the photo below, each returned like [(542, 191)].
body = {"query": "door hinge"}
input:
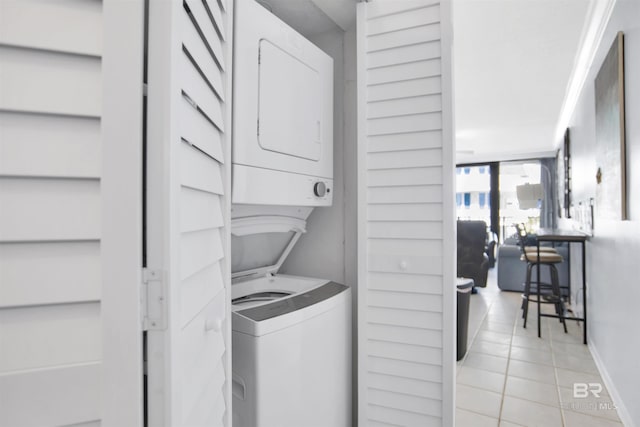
[(154, 303)]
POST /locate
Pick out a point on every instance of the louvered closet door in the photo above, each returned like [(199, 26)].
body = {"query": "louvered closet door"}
[(188, 354), (50, 228), (405, 162)]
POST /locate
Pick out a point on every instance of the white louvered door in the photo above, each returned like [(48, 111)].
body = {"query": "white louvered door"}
[(188, 348), (50, 229), (405, 219)]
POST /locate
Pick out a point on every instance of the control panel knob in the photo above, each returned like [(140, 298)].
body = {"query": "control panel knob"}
[(320, 189)]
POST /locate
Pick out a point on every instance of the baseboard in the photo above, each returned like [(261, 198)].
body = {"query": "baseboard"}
[(613, 392)]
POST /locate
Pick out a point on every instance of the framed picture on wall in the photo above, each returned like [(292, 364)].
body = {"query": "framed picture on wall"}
[(560, 181), (566, 157), (611, 198)]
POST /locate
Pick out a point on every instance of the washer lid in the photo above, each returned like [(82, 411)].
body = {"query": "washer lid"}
[(260, 244), (282, 306)]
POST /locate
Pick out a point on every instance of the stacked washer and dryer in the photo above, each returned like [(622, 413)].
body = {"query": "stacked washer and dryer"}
[(291, 335)]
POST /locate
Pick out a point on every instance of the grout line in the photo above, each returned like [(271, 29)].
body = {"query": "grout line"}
[(470, 344), (558, 388), (491, 303), (506, 374), (476, 412), (555, 375)]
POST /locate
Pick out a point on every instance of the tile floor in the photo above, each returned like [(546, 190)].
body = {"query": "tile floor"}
[(510, 377)]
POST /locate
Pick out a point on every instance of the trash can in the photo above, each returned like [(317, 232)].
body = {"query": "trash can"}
[(464, 287)]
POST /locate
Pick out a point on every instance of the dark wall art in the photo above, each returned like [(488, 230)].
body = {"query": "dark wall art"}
[(566, 152)]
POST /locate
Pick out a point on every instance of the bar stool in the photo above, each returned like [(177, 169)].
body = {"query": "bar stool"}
[(522, 232), (522, 229), (549, 293)]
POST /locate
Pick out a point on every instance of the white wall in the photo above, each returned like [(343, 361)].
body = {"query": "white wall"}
[(612, 254), (320, 252)]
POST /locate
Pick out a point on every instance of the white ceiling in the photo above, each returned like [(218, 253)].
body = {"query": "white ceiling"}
[(512, 63), (312, 17)]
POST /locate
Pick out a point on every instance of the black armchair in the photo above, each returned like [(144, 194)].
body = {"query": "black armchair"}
[(473, 261)]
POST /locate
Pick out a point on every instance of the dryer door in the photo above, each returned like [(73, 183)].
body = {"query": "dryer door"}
[(289, 114), (282, 111)]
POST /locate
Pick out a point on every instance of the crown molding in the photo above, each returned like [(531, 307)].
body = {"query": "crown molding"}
[(596, 22)]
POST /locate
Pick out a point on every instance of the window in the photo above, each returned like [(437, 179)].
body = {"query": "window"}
[(512, 176), (473, 185)]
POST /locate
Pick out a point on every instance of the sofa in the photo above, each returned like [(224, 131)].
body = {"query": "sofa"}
[(512, 272), (473, 261)]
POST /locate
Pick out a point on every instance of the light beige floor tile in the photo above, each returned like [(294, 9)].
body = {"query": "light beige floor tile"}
[(532, 371), (581, 364), (476, 400), (501, 318), (481, 378), (492, 348), (567, 378), (530, 414), (532, 390), (574, 334), (502, 311), (508, 320), (555, 327), (532, 355), (531, 396), (532, 330), (574, 328), (576, 350), (574, 419), (480, 305), (487, 362), (503, 328), (532, 321), (496, 337), (528, 332), (566, 338), (507, 301), (472, 419), (601, 407), (531, 342)]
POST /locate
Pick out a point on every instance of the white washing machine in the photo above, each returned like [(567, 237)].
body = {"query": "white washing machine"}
[(291, 335), (282, 113)]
